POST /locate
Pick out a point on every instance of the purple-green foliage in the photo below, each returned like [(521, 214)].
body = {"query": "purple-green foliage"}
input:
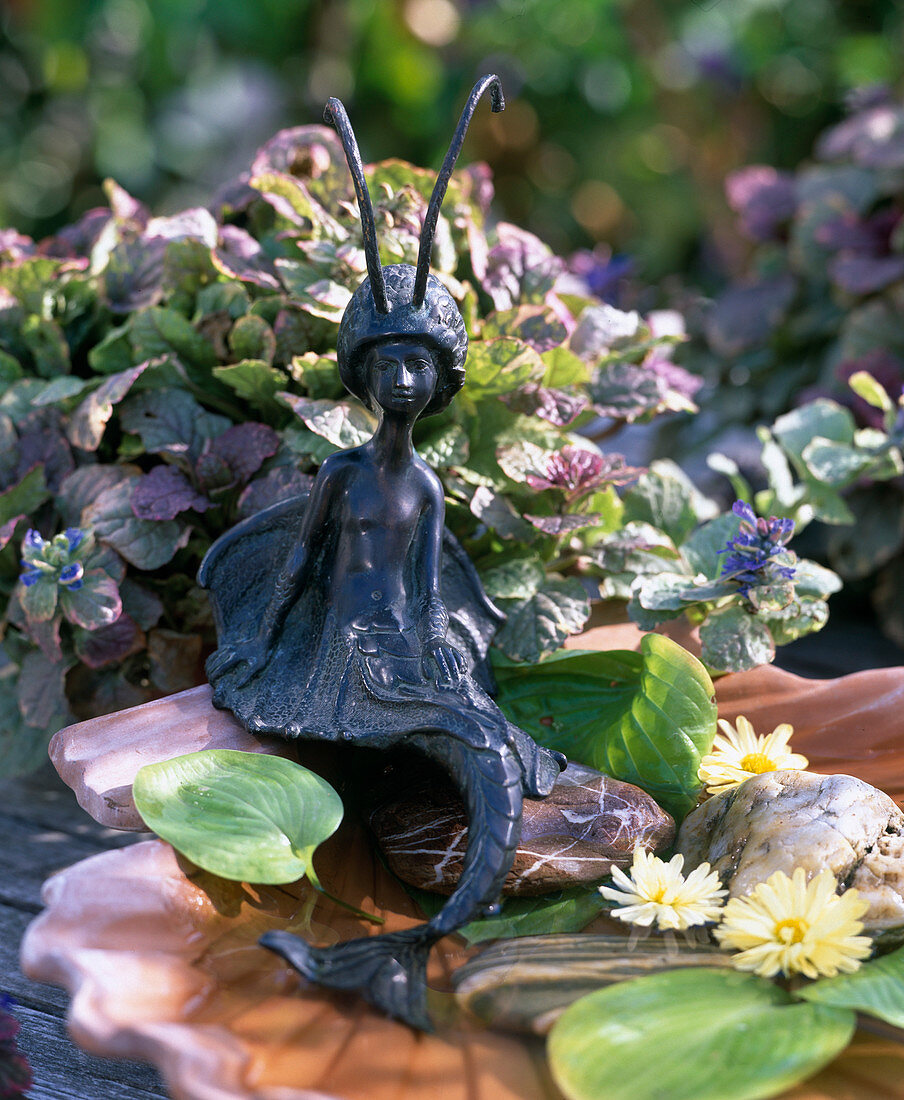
[(164, 377), (825, 303)]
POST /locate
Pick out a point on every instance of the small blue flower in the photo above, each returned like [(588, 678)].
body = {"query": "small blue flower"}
[(71, 575), (74, 536), (30, 576), (33, 545), (757, 554)]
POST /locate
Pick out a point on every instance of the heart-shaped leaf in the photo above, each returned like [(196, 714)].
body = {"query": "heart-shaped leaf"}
[(877, 988), (646, 718), (692, 1035), (244, 816)]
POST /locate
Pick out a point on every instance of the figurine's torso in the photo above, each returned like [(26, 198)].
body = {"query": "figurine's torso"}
[(376, 525)]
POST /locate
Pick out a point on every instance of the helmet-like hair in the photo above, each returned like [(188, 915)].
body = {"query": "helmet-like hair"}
[(437, 325), (401, 301)]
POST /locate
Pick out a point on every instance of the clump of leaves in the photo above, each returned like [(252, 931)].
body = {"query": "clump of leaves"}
[(822, 306), (164, 377)]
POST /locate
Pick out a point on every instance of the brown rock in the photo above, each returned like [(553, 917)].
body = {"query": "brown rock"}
[(574, 836)]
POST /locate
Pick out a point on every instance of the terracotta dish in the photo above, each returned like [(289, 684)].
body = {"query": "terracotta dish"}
[(163, 965)]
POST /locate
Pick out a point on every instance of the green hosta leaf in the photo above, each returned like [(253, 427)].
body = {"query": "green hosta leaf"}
[(517, 579), (646, 718), (342, 423), (256, 382), (692, 1035), (24, 498), (541, 623), (244, 816), (564, 911), (734, 641), (95, 604), (500, 366), (876, 988)]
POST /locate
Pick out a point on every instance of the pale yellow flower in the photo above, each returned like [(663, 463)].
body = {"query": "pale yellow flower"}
[(792, 926), (658, 891), (741, 753)]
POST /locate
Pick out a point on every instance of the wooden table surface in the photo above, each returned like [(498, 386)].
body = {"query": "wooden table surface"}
[(42, 829)]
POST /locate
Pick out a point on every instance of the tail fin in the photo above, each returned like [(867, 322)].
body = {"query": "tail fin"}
[(390, 970)]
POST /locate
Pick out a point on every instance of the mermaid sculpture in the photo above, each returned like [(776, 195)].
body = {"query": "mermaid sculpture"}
[(352, 614)]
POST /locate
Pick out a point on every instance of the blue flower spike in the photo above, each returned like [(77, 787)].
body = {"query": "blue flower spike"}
[(52, 560), (757, 555)]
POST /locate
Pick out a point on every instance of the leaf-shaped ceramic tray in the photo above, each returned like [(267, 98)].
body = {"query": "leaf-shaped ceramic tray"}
[(163, 965)]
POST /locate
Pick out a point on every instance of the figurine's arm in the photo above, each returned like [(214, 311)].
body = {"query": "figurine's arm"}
[(435, 618), (255, 651)]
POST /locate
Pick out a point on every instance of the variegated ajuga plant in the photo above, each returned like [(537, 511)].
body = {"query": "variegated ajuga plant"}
[(164, 377)]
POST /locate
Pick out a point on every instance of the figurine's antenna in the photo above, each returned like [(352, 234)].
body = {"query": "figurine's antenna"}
[(442, 180), (334, 114)]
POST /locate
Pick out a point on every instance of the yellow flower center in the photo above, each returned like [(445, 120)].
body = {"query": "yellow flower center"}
[(658, 895), (757, 763), (792, 930)]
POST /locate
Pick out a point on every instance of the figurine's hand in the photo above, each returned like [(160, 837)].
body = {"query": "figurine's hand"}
[(252, 652), (449, 662)]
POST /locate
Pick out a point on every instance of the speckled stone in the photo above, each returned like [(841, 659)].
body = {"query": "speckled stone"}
[(786, 819), (587, 824)]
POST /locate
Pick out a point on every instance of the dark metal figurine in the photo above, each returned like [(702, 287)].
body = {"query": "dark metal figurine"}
[(352, 614)]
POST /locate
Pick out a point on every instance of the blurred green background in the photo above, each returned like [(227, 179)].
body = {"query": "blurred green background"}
[(623, 119)]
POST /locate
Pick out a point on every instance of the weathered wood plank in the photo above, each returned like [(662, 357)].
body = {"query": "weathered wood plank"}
[(44, 799), (30, 853), (47, 998), (63, 1072)]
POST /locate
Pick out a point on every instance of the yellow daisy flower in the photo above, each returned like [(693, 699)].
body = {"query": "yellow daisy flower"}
[(796, 927), (740, 753), (658, 891)]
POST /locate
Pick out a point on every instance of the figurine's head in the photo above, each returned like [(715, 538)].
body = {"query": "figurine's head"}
[(437, 326), (404, 303)]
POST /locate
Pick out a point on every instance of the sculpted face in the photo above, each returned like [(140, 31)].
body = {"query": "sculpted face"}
[(401, 377)]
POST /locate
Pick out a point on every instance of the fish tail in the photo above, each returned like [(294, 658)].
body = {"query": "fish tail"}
[(390, 970)]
